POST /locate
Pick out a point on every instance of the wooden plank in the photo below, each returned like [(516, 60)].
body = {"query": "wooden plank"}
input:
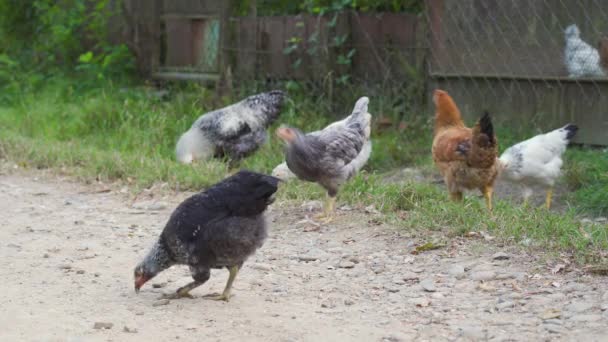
[(179, 43), (185, 76)]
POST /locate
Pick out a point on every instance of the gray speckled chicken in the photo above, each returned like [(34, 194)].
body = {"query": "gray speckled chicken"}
[(235, 131), (220, 227), (331, 156)]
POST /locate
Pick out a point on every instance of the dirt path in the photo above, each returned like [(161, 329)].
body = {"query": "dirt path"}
[(68, 253)]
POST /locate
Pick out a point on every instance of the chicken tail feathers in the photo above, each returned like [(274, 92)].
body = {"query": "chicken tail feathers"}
[(486, 127), (361, 106), (571, 129), (357, 164)]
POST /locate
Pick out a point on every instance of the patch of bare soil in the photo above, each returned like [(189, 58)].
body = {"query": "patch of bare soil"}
[(68, 253)]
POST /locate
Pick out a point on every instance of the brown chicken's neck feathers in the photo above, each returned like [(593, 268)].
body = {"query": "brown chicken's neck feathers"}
[(447, 115)]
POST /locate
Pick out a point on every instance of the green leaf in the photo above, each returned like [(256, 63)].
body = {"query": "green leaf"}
[(7, 60), (290, 49), (86, 57)]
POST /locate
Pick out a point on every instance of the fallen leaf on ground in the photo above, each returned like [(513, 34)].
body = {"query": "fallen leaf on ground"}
[(427, 247), (557, 268), (597, 269), (550, 314), (486, 287)]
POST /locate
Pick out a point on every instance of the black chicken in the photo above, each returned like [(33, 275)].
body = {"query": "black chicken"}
[(220, 227)]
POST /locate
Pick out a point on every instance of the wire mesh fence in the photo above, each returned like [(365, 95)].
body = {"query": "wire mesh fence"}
[(534, 63), (541, 62)]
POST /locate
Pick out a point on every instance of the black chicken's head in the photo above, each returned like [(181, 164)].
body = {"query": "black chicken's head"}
[(142, 274)]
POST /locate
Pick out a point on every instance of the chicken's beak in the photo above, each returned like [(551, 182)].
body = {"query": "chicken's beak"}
[(139, 282)]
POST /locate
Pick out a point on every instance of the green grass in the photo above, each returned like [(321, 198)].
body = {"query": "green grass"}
[(125, 132)]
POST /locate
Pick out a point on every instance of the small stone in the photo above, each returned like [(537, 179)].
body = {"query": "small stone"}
[(392, 289), (65, 267), (80, 272), (161, 302), (437, 295), (398, 281), (261, 267), (149, 205), (139, 313), (456, 271), (346, 264), (483, 275), (420, 302), (604, 307), (129, 330), (473, 333), (428, 285), (159, 285), (501, 256), (585, 318), (575, 287), (579, 307), (555, 329), (102, 325), (313, 255), (505, 305), (157, 206), (349, 302), (601, 220), (553, 321), (409, 276), (328, 304), (551, 314), (45, 255)]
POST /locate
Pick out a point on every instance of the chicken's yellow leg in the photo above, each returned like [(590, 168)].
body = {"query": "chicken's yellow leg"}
[(487, 194), (549, 197), (225, 296), (328, 210)]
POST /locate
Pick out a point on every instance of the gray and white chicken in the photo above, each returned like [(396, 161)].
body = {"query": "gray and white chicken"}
[(581, 59), (331, 156), (220, 227), (537, 161), (282, 171), (235, 131)]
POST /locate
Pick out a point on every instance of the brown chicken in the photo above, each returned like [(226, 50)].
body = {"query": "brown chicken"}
[(466, 158)]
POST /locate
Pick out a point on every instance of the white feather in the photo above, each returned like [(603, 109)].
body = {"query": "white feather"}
[(193, 145), (581, 59)]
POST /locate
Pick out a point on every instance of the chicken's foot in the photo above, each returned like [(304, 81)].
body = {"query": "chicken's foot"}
[(182, 292), (328, 212), (225, 296)]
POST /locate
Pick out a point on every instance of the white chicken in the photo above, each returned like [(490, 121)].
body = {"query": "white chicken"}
[(282, 171), (235, 131), (581, 58), (537, 161)]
